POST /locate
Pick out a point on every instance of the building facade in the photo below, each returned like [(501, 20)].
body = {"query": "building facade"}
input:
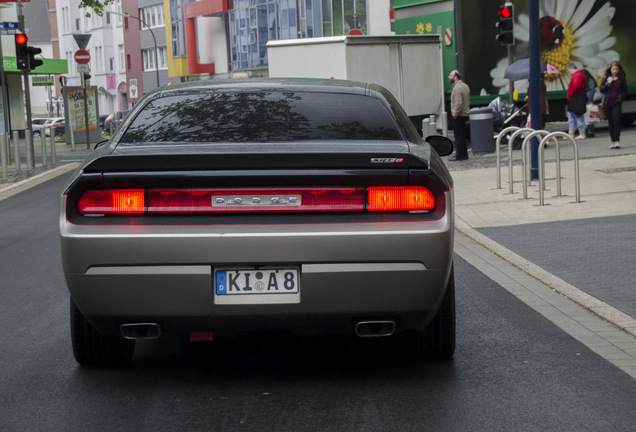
[(107, 67), (229, 38)]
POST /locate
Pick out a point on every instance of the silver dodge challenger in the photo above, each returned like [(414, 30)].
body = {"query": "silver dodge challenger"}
[(222, 207)]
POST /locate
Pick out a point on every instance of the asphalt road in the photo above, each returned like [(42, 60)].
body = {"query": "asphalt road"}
[(513, 370)]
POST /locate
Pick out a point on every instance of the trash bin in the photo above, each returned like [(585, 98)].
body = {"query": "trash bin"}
[(482, 130)]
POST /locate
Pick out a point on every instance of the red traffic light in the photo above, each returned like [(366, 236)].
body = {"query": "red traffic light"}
[(505, 12), (21, 39)]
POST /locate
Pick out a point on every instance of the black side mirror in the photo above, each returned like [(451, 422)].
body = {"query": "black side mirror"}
[(442, 145)]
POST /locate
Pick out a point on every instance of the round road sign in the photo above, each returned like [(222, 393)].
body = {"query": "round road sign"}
[(82, 56)]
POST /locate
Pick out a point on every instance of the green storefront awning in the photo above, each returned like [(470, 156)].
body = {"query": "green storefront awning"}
[(50, 66)]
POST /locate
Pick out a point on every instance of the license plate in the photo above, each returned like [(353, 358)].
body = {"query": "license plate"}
[(257, 285)]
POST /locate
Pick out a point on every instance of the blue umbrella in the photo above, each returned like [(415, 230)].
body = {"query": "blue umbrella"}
[(520, 69)]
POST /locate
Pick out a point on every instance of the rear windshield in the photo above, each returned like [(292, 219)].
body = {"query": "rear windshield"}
[(261, 117)]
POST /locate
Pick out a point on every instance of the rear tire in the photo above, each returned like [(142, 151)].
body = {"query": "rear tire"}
[(94, 349), (437, 342)]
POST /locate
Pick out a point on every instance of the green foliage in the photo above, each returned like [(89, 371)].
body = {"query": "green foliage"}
[(96, 5)]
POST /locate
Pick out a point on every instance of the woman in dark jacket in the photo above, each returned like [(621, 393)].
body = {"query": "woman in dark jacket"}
[(614, 89)]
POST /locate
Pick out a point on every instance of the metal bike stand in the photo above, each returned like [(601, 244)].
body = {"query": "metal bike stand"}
[(512, 140), (525, 159), (497, 144), (577, 182)]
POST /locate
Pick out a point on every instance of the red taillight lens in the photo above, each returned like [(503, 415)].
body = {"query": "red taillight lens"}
[(410, 198), (119, 201), (263, 200)]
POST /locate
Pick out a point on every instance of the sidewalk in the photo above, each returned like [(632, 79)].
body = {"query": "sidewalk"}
[(585, 251)]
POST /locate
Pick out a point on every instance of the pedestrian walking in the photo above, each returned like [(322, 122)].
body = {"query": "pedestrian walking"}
[(614, 89), (591, 89), (577, 100), (460, 109)]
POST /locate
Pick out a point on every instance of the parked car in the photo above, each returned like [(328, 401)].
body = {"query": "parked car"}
[(51, 123), (60, 128), (112, 121), (251, 205), (37, 123)]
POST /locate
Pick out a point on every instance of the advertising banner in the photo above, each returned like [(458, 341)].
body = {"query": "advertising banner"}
[(74, 106)]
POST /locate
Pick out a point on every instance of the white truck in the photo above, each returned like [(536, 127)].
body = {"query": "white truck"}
[(409, 66)]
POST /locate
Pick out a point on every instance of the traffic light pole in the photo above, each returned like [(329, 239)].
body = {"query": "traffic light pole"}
[(28, 134), (88, 139), (5, 97), (511, 83)]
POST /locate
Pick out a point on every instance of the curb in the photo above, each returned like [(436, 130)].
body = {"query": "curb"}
[(15, 188), (588, 302)]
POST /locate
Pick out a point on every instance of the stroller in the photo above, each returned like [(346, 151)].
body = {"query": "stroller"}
[(506, 114)]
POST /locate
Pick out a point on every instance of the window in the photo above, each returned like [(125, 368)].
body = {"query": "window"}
[(163, 57), (66, 20), (148, 56), (120, 52), (252, 23), (118, 10), (178, 27), (77, 25), (149, 59), (262, 117)]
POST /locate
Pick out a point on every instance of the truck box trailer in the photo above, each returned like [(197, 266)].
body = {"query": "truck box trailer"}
[(409, 66)]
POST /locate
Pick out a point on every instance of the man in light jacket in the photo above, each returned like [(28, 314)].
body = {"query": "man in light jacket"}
[(460, 107)]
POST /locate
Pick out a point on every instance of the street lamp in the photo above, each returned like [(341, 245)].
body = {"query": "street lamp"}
[(154, 39)]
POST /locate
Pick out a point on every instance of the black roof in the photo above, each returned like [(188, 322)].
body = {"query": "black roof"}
[(308, 84)]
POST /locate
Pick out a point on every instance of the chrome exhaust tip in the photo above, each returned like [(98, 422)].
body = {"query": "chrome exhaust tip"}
[(375, 328), (140, 331)]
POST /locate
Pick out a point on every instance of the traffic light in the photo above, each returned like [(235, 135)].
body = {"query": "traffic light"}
[(33, 62), (505, 24), (21, 51)]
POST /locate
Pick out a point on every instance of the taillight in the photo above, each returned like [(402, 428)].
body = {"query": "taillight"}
[(255, 200), (113, 201), (410, 198)]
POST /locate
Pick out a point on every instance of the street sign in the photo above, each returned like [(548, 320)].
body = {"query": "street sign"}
[(82, 56), (83, 68), (81, 40), (9, 26), (42, 80)]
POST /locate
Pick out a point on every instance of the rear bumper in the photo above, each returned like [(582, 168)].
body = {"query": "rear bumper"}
[(123, 274)]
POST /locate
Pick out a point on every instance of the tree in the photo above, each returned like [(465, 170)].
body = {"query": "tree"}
[(96, 5)]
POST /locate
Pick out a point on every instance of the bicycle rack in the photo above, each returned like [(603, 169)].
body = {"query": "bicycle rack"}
[(577, 183), (517, 130), (525, 158)]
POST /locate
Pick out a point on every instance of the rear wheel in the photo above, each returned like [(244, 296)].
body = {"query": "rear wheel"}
[(94, 349), (438, 340)]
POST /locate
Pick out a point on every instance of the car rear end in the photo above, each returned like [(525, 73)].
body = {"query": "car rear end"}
[(302, 235)]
